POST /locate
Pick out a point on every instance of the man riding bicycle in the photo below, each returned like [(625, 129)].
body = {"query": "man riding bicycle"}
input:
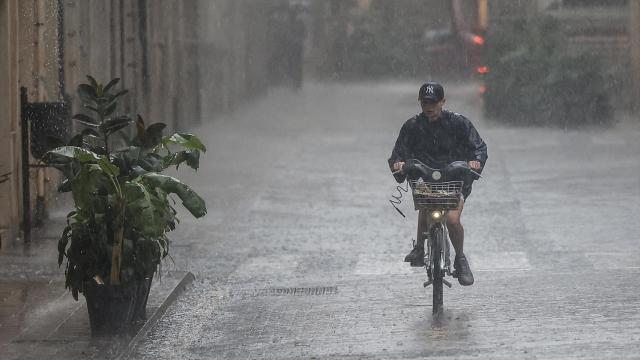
[(438, 137)]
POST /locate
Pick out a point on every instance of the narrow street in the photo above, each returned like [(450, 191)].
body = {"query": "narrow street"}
[(301, 253)]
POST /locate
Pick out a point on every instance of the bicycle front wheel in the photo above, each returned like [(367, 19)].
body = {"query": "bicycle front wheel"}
[(437, 252)]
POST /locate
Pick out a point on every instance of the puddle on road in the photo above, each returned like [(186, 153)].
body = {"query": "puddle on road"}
[(447, 325)]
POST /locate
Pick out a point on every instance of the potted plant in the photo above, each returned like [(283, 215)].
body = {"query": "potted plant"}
[(116, 234)]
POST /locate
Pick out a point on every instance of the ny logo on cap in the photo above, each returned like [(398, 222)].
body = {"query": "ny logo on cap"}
[(429, 89)]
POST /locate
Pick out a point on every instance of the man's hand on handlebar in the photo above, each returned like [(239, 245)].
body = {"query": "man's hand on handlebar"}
[(474, 165), (397, 167)]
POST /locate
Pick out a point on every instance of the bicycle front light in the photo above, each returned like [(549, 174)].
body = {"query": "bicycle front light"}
[(437, 215)]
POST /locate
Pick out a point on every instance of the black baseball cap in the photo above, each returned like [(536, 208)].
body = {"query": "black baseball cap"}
[(431, 91)]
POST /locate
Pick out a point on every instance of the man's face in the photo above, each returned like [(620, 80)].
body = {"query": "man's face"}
[(432, 109)]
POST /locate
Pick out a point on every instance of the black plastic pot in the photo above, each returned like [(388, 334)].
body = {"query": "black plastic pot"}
[(142, 295), (111, 308)]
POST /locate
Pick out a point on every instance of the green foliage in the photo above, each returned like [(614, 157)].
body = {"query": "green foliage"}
[(120, 188), (385, 41), (536, 80)]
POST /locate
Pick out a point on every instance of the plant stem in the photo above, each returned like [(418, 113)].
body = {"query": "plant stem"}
[(118, 228), (118, 237), (106, 137)]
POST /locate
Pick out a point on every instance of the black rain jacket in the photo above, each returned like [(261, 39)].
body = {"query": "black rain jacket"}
[(437, 144)]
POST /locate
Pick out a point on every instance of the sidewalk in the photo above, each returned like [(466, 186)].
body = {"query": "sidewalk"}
[(40, 319)]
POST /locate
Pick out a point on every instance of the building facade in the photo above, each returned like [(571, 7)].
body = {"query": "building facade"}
[(182, 62), (9, 124)]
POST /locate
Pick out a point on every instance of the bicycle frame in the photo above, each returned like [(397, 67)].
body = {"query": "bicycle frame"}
[(437, 258), (444, 247)]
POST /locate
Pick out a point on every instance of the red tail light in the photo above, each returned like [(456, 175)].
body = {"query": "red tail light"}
[(478, 40), (482, 69)]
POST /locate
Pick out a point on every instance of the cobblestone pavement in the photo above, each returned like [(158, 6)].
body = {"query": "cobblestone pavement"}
[(301, 253)]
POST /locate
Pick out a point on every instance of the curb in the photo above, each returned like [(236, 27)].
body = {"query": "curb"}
[(157, 314)]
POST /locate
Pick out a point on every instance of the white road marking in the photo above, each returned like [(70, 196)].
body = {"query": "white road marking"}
[(265, 266), (384, 264), (392, 264), (499, 261), (614, 260)]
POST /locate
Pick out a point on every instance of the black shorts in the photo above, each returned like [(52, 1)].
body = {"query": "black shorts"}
[(466, 191)]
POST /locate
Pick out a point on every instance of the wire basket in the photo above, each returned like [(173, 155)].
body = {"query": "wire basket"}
[(436, 196)]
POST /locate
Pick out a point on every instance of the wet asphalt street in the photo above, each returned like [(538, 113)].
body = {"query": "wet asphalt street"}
[(301, 253)]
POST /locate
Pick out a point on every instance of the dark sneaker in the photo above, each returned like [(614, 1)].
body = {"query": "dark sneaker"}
[(462, 270), (415, 257)]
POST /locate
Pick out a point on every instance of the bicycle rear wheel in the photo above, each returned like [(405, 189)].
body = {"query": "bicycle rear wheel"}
[(437, 250)]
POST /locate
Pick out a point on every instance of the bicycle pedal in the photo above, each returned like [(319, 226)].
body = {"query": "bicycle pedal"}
[(427, 283), (446, 283)]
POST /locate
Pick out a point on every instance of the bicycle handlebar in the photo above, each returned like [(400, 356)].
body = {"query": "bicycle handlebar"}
[(457, 170)]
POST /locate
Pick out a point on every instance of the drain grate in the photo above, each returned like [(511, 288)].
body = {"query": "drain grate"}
[(291, 291)]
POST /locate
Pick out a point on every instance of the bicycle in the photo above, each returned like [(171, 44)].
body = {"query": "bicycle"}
[(437, 191)]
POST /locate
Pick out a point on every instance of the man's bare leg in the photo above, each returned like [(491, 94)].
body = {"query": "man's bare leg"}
[(456, 234), (456, 231), (423, 227), (416, 256)]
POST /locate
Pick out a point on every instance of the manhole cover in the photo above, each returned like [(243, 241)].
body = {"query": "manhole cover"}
[(291, 291)]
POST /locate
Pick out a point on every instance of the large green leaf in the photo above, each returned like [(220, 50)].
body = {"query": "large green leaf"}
[(144, 214), (108, 168), (95, 143), (92, 108), (87, 92), (110, 85), (85, 119), (130, 155), (119, 94), (68, 153), (141, 136), (112, 125), (92, 81), (152, 162), (87, 186), (187, 141), (135, 191), (191, 201), (154, 134), (138, 170), (65, 186), (192, 158), (87, 123), (90, 131), (62, 243), (110, 109)]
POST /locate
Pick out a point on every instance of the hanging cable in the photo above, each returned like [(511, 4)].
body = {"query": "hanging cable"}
[(397, 198)]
